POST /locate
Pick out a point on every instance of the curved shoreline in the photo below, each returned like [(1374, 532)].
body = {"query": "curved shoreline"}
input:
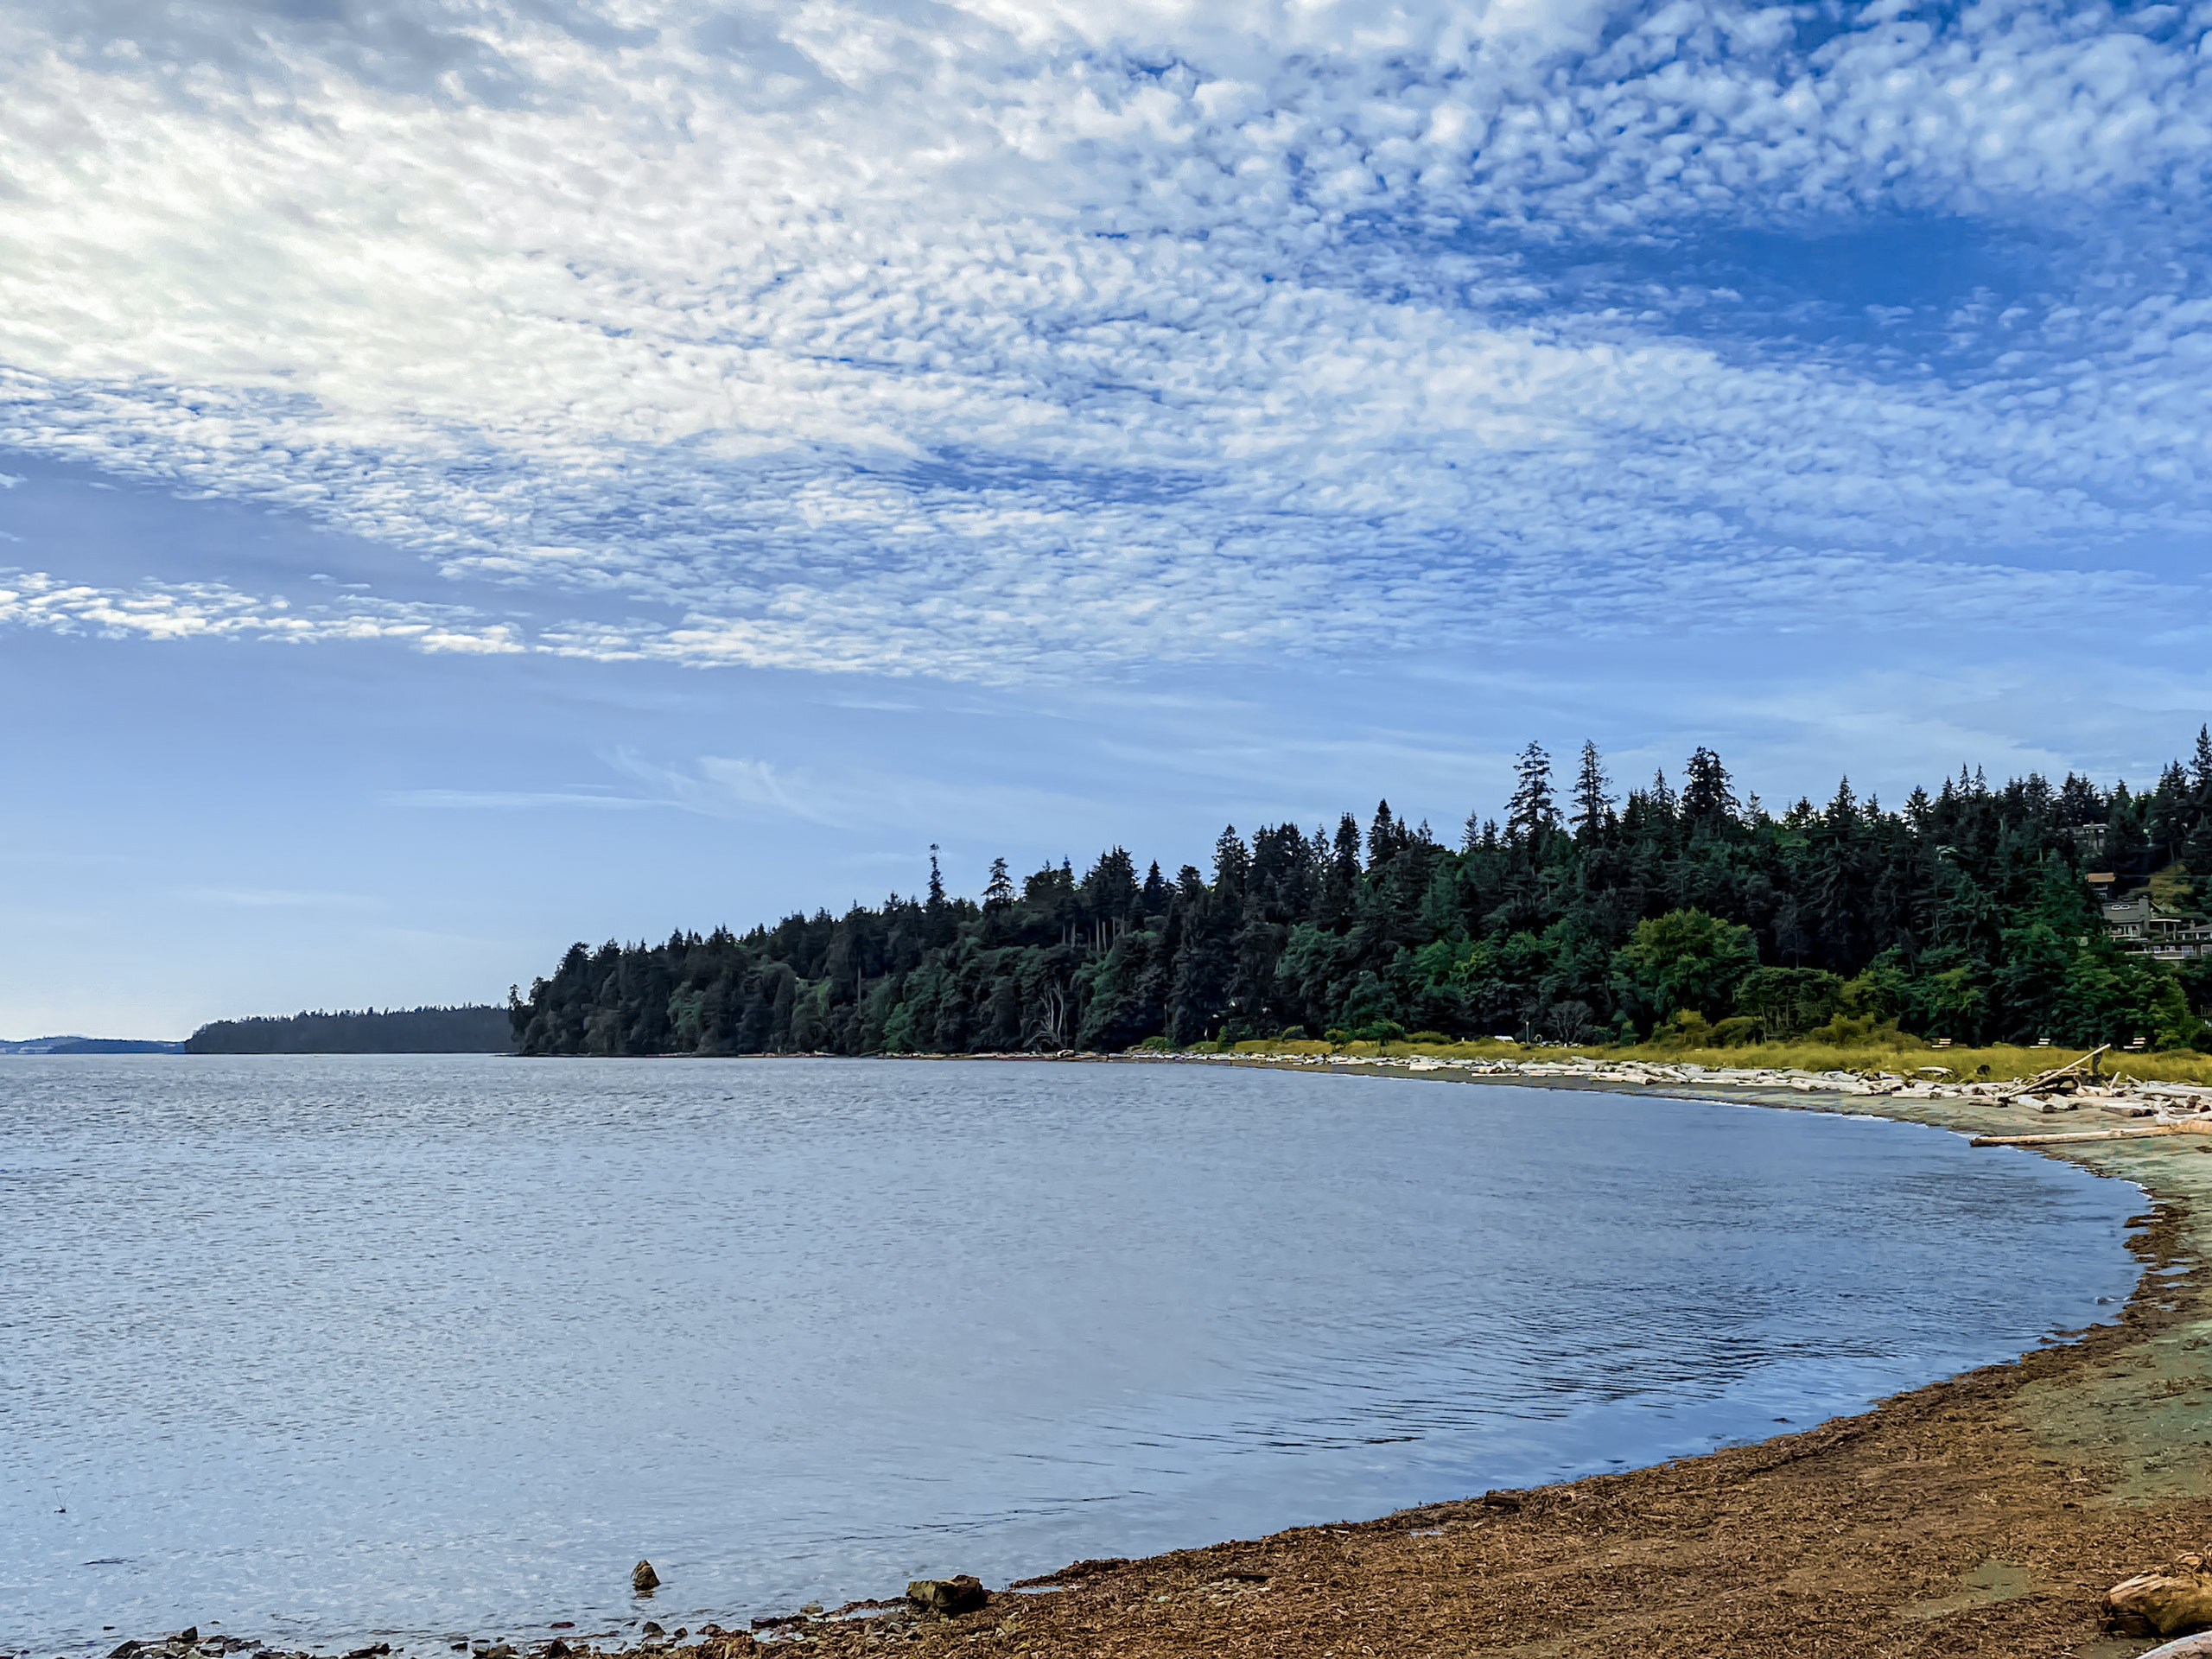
[(1985, 1513)]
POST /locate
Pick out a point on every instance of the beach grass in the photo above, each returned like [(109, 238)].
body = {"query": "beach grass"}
[(1911, 1057)]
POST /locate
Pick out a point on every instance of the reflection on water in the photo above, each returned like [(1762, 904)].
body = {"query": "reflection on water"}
[(318, 1347)]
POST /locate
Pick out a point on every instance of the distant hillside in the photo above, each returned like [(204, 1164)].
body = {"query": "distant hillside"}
[(90, 1046), (479, 1030)]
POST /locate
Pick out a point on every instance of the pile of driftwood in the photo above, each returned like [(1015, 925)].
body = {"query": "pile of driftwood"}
[(2165, 1107), (2068, 1088)]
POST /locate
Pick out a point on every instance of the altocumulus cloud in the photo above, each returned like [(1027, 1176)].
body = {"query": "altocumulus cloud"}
[(990, 340)]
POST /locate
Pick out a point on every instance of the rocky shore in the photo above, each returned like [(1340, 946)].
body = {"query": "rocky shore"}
[(1987, 1514)]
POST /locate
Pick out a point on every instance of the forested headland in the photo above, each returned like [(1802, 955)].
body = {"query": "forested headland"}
[(1587, 916), (479, 1029)]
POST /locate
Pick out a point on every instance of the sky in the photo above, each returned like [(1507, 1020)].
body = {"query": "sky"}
[(479, 476)]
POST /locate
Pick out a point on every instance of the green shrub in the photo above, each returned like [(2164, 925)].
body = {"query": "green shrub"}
[(1787, 1002), (1862, 1031), (1687, 1029)]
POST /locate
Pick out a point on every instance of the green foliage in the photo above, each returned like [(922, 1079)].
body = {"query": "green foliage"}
[(1783, 1003), (1861, 1031), (1695, 916), (1686, 1029), (1686, 959)]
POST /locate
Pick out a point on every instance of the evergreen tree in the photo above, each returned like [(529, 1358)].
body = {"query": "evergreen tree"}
[(1341, 887), (1381, 837), (1593, 806), (1231, 861), (1154, 897), (1707, 795), (1531, 811), (2196, 857)]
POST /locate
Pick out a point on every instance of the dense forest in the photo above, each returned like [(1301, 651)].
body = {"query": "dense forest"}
[(1667, 914), (476, 1030)]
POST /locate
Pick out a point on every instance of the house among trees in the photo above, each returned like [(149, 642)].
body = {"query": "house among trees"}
[(2138, 924)]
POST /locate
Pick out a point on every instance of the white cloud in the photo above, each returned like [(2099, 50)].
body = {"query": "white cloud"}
[(998, 341), (210, 610)]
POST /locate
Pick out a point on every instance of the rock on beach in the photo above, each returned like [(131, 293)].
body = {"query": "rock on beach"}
[(947, 1598)]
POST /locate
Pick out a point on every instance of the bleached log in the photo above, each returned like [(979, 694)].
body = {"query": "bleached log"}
[(2074, 1137)]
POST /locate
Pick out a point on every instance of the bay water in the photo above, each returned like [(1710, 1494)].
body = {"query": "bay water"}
[(327, 1351)]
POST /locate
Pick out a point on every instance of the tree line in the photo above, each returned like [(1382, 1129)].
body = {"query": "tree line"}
[(1587, 915), (478, 1029)]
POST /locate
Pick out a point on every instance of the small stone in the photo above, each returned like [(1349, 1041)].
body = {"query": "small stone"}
[(124, 1651), (812, 1607), (653, 1628), (644, 1579), (189, 1634)]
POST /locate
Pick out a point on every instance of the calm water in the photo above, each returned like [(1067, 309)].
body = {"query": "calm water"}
[(320, 1347)]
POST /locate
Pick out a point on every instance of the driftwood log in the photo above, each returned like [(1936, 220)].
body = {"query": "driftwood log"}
[(2072, 1137), (2034, 1083), (2169, 1602)]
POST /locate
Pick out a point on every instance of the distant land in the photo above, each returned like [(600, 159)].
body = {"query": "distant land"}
[(479, 1029), (90, 1046)]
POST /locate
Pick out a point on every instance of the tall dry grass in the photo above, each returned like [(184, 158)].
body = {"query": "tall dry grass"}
[(2001, 1063)]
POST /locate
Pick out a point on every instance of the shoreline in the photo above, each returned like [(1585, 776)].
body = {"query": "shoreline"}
[(1983, 1513)]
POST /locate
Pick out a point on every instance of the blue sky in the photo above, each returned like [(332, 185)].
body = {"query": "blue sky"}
[(485, 475)]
